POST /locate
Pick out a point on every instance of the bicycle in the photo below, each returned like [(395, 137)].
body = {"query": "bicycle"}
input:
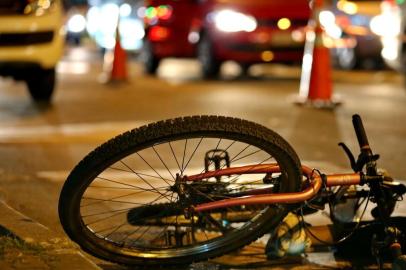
[(190, 189)]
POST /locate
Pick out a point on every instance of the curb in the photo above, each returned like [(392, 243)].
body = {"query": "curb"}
[(30, 231)]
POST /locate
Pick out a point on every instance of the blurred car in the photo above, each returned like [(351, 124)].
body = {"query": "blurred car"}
[(214, 31), (102, 20), (31, 43), (355, 42)]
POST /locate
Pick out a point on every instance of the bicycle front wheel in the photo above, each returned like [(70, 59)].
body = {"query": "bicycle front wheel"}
[(123, 202)]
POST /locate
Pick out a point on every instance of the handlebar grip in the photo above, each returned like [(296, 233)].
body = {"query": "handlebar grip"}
[(360, 131)]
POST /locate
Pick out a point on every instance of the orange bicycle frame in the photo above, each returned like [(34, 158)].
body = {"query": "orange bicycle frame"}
[(316, 182)]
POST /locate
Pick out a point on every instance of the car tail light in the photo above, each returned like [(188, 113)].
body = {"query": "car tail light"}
[(158, 33)]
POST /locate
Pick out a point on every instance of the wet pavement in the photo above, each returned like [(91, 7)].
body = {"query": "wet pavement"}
[(41, 145)]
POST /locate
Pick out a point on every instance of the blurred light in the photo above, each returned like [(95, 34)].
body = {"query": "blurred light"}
[(44, 4), (27, 10), (327, 18), (328, 42), (93, 17), (284, 23), (389, 54), (158, 33), (37, 7), (347, 7), (267, 56), (108, 42), (298, 35), (125, 10), (231, 21), (164, 12), (141, 12), (151, 13), (328, 21), (131, 32), (193, 37), (343, 21), (102, 25), (386, 25), (109, 18), (76, 23), (77, 67), (334, 31)]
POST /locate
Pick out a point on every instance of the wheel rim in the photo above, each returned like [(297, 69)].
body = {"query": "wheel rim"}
[(146, 179)]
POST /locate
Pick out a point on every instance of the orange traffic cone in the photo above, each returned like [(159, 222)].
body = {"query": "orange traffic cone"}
[(119, 67), (316, 79)]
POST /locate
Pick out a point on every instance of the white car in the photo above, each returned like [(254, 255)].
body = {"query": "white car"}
[(31, 43)]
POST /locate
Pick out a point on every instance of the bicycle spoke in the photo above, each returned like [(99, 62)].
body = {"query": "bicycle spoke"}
[(136, 240), (107, 212), (145, 181), (144, 174), (232, 159), (116, 229), (163, 163), (121, 188), (248, 170), (121, 196), (214, 222), (191, 156), (183, 158), (173, 153), (102, 219), (154, 170), (161, 233), (248, 155)]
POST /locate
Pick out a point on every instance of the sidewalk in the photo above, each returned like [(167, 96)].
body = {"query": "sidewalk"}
[(27, 244)]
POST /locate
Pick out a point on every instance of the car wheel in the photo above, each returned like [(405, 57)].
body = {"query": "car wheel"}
[(210, 65), (149, 59), (41, 84), (245, 69), (346, 58)]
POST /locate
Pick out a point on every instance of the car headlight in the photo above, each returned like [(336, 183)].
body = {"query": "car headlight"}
[(38, 7), (232, 21), (76, 23)]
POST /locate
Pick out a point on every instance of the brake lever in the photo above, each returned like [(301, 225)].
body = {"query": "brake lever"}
[(363, 158), (350, 156)]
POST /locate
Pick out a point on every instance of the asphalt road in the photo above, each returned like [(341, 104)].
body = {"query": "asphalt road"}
[(40, 145)]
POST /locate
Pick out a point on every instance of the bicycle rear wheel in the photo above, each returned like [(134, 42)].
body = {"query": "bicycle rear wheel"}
[(123, 202)]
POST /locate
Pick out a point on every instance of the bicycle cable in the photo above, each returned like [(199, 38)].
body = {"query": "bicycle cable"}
[(306, 227)]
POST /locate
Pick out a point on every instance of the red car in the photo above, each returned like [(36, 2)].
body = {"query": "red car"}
[(214, 31)]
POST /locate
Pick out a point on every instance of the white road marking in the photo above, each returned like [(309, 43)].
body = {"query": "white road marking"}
[(82, 132)]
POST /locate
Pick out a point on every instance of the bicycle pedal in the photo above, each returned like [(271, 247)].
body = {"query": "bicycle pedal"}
[(218, 158)]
